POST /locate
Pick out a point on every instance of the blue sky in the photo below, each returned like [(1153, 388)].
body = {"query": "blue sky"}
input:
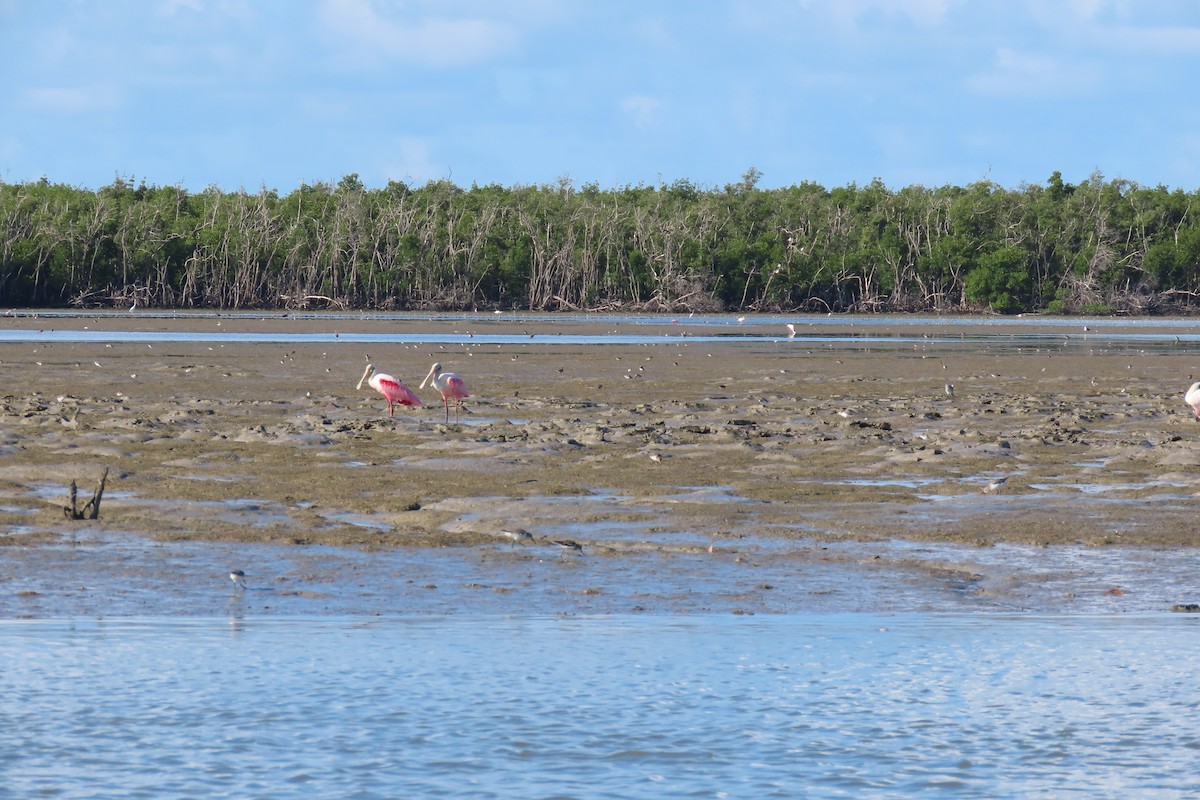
[(276, 93)]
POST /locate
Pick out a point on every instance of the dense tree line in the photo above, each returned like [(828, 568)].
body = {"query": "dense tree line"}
[(1099, 247)]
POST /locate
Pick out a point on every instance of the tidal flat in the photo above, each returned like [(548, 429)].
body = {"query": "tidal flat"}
[(698, 473)]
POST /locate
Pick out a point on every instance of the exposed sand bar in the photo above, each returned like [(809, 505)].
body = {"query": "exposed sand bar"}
[(670, 449)]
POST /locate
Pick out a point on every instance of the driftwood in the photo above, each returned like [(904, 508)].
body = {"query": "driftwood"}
[(91, 509)]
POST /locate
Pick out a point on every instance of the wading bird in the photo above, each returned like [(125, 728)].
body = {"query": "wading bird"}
[(1192, 398), (995, 485), (568, 546), (518, 536), (239, 578), (389, 387), (448, 385)]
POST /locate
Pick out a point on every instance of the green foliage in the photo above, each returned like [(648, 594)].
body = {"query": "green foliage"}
[(1001, 280), (1097, 245)]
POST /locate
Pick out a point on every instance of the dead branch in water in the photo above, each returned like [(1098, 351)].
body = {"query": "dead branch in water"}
[(91, 509)]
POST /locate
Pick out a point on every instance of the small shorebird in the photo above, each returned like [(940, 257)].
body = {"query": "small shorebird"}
[(568, 545), (994, 485), (949, 390), (518, 536), (791, 330), (239, 578)]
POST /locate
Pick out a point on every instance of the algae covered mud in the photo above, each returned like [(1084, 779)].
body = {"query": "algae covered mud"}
[(702, 464)]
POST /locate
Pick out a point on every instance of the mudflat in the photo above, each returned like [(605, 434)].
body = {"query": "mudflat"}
[(678, 447)]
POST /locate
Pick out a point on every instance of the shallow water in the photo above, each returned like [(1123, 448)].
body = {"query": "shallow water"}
[(114, 576), (1016, 333), (826, 706), (1085, 324), (662, 662)]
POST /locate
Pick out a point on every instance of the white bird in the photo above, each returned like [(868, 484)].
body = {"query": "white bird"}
[(791, 330), (1192, 398), (239, 578), (949, 390)]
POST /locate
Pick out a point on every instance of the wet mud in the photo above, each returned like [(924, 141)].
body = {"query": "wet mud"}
[(675, 464)]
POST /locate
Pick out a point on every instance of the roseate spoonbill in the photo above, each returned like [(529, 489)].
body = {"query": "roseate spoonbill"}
[(1192, 398), (389, 387), (448, 385), (239, 578)]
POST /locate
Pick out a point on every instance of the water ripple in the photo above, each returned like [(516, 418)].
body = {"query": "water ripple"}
[(917, 705)]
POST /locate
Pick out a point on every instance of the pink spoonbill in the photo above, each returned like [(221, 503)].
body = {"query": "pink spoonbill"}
[(448, 385), (1192, 398), (389, 387)]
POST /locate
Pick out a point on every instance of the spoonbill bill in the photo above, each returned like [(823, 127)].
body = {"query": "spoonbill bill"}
[(1192, 398), (389, 387), (448, 385)]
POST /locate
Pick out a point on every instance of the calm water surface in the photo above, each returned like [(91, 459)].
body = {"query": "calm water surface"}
[(508, 328), (816, 706)]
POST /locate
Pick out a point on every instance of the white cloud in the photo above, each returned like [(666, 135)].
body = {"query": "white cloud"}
[(654, 31), (642, 110), (10, 147), (412, 162), (56, 46), (72, 100), (1015, 74), (1086, 9), (323, 107), (1119, 25), (171, 6), (1157, 41), (245, 12), (926, 13), (367, 29)]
